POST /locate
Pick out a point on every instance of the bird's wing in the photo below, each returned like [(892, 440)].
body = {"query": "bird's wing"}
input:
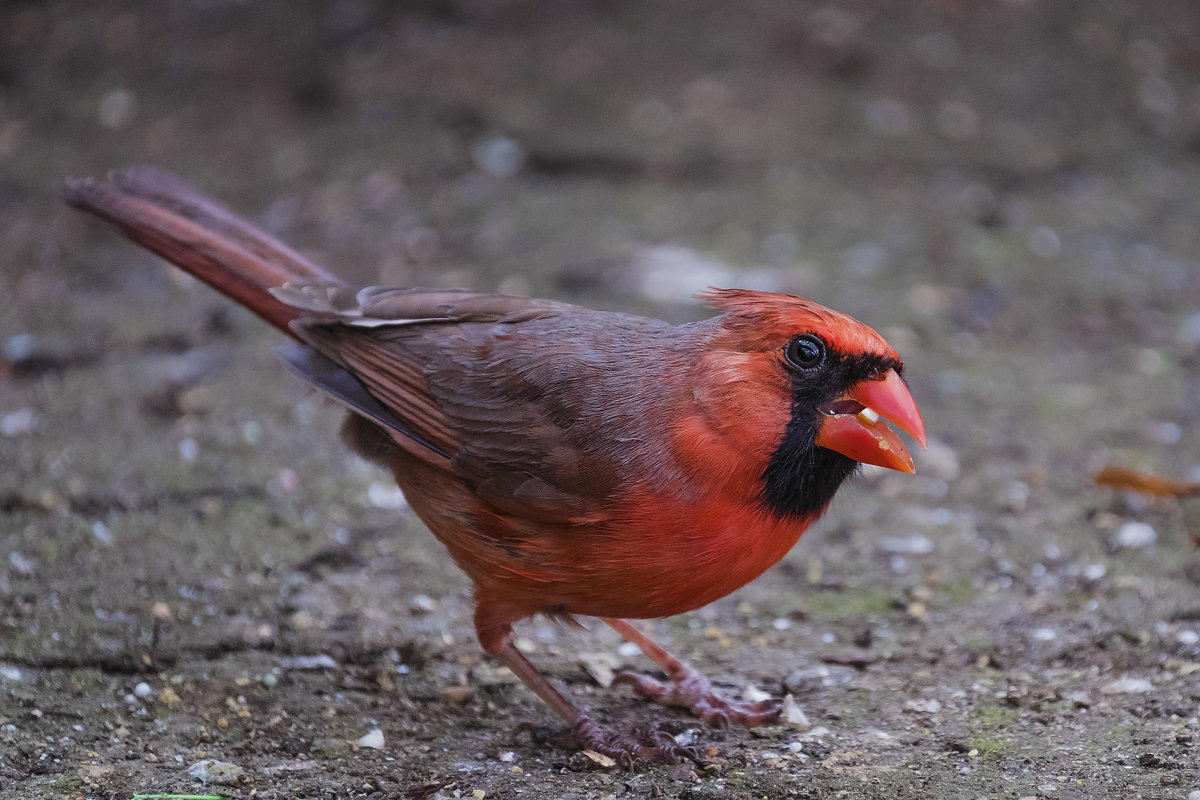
[(506, 393)]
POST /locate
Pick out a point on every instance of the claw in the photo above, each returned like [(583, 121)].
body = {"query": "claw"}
[(693, 691)]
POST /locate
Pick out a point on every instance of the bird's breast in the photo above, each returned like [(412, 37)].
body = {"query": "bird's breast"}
[(686, 554)]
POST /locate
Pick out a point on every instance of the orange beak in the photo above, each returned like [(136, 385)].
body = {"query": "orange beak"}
[(854, 426)]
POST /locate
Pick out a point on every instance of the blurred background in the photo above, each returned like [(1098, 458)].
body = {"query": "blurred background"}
[(1007, 190)]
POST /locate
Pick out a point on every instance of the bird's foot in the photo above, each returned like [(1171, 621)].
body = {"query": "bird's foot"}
[(691, 690), (591, 735), (587, 734)]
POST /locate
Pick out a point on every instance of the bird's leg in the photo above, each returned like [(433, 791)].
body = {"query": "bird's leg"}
[(585, 732), (688, 688)]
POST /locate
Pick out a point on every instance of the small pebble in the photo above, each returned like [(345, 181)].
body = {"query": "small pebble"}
[(454, 694), (1162, 432), (1151, 361), (18, 423), (422, 604), (755, 694), (917, 544), (508, 756), (251, 432), (101, 532), (320, 661), (1044, 634), (372, 740), (815, 733), (23, 564), (499, 156), (116, 108), (188, 449), (792, 715), (821, 676), (628, 650), (21, 346), (1128, 686), (929, 706), (686, 738), (1045, 242), (212, 771), (287, 479), (1134, 534), (143, 690), (381, 495)]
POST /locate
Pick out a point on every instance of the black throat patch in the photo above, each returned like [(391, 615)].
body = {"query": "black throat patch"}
[(801, 478)]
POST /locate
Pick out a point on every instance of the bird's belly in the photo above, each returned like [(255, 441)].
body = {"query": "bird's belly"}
[(668, 558), (653, 556), (654, 561)]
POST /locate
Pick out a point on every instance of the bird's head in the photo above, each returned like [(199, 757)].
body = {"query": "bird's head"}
[(839, 381)]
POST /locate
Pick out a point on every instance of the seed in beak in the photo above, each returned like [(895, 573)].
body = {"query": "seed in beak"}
[(869, 415)]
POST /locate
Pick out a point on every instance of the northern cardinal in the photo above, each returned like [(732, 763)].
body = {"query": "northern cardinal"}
[(573, 462)]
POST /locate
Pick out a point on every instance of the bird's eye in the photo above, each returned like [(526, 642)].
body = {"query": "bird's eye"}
[(805, 351)]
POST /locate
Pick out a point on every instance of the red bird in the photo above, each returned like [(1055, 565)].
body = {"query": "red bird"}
[(573, 462)]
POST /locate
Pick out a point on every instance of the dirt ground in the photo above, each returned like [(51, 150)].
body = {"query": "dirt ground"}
[(193, 568)]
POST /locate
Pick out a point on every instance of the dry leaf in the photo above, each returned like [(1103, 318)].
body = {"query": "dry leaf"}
[(1142, 483), (601, 666), (600, 758), (454, 694)]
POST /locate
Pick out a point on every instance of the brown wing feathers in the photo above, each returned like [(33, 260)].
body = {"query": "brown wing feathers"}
[(395, 356), (399, 384), (374, 375)]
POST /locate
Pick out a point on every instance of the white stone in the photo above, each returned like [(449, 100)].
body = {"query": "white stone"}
[(18, 423), (915, 545), (1128, 686), (212, 771), (1134, 534), (792, 715), (372, 740)]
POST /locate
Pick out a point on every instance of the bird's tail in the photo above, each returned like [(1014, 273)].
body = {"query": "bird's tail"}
[(201, 236)]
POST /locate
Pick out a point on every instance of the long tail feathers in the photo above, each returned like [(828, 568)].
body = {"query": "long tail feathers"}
[(167, 216)]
